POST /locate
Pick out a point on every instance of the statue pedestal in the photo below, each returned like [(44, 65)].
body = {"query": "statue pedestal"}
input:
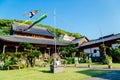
[(56, 69)]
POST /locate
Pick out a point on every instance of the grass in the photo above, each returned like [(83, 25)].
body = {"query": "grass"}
[(114, 65), (98, 65), (43, 73)]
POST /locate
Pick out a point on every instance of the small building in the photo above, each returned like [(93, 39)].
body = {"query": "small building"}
[(39, 37), (66, 37), (80, 41), (93, 47)]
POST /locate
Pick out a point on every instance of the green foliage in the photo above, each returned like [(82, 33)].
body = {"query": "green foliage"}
[(64, 61), (5, 26), (76, 35), (83, 57), (14, 60), (108, 60), (115, 54), (30, 53), (49, 60), (118, 41), (63, 51), (89, 61), (9, 58), (26, 45), (22, 65), (72, 49), (82, 60), (8, 63), (102, 50), (70, 60), (35, 53), (69, 50)]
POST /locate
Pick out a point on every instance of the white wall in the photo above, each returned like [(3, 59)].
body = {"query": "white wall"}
[(91, 50), (114, 45), (87, 50), (97, 54)]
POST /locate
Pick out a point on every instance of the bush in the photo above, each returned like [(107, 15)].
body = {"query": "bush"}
[(89, 61), (8, 63), (82, 60), (70, 60), (115, 54), (64, 61), (108, 60)]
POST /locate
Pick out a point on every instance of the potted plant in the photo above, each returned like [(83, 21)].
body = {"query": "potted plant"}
[(109, 61), (89, 62), (76, 61)]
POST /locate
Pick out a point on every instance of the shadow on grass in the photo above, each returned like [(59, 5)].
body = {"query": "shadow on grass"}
[(45, 71), (95, 73)]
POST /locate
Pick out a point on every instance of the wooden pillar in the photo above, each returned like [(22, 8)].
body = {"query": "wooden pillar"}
[(48, 51), (16, 48), (58, 53), (45, 53), (4, 46)]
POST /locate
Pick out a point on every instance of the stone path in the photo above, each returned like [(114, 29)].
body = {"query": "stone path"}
[(114, 75)]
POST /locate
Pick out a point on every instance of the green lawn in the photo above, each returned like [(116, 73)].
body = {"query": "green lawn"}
[(97, 65), (114, 65), (43, 73)]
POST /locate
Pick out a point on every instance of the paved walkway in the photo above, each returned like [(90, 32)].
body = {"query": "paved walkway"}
[(113, 75)]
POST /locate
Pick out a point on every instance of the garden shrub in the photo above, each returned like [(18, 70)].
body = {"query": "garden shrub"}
[(82, 60), (70, 60), (115, 54), (63, 61), (8, 63), (89, 61), (108, 60)]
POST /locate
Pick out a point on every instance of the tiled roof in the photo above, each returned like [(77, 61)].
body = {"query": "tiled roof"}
[(75, 41), (33, 30), (104, 39), (15, 38)]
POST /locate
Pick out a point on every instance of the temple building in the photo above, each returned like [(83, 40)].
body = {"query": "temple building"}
[(44, 41), (93, 47), (39, 37)]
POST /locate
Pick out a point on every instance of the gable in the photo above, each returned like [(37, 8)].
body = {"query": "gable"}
[(80, 41)]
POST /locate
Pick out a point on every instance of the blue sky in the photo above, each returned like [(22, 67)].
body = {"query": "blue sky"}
[(87, 17)]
